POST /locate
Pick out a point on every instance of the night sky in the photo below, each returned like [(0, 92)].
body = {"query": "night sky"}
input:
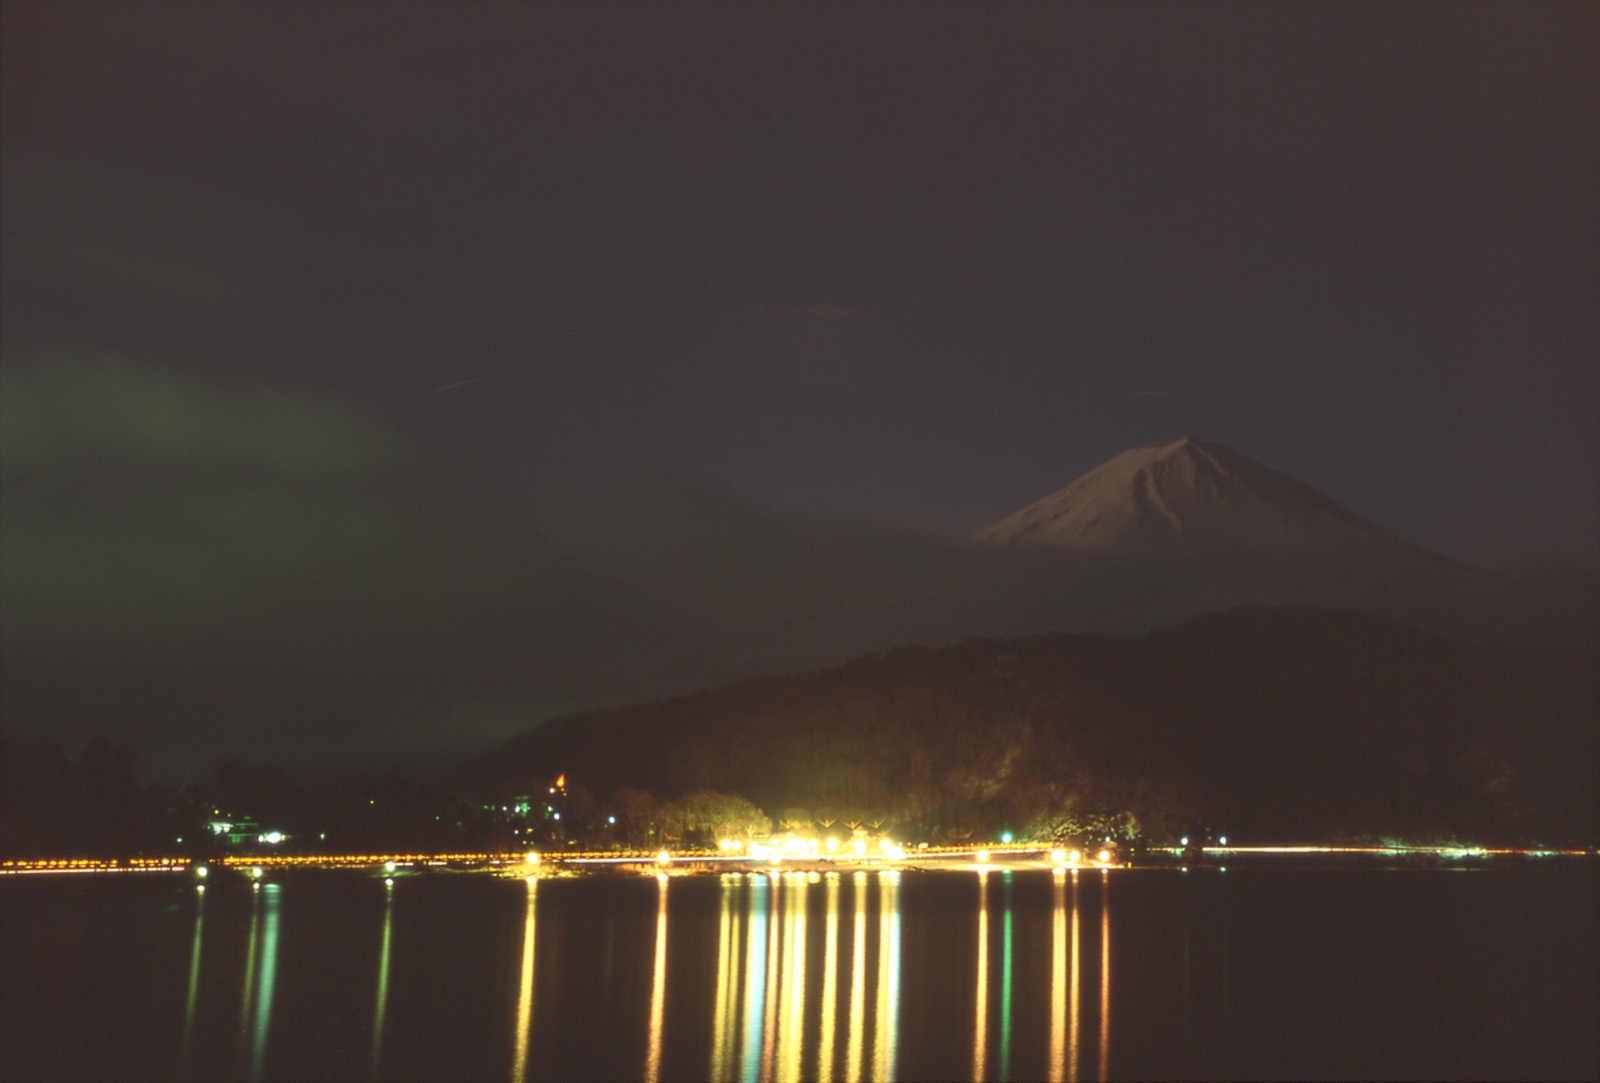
[(358, 357)]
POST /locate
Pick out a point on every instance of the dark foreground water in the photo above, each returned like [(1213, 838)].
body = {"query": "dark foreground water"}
[(1249, 973)]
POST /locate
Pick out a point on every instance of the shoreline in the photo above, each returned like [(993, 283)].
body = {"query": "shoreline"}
[(1003, 860)]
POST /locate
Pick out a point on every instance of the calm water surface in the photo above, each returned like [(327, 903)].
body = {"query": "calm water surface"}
[(1249, 973)]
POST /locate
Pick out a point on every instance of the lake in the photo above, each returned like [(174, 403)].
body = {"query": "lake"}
[(1262, 973)]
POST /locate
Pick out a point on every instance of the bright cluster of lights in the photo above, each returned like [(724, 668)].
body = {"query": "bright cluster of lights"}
[(773, 851)]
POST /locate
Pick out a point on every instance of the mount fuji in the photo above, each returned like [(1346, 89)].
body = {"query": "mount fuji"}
[(1190, 500), (1165, 531), (1157, 535)]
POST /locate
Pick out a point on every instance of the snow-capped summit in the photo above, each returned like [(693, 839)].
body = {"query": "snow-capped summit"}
[(1168, 530), (1192, 499)]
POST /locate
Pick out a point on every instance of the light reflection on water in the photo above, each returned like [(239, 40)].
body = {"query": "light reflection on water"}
[(1105, 976), (778, 1015), (808, 975), (1058, 979), (765, 994), (791, 1029), (888, 1018), (187, 1044), (658, 985), (519, 1057), (260, 977), (980, 1024), (773, 976), (769, 988), (1075, 1013), (1005, 983), (381, 1000)]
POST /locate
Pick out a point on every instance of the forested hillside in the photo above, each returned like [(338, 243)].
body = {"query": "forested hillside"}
[(1261, 724)]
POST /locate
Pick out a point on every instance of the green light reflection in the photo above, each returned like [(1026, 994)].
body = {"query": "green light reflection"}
[(194, 971), (1005, 987), (249, 967), (266, 979), (755, 980), (383, 978)]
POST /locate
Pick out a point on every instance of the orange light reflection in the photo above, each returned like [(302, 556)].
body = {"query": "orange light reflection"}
[(1105, 977), (980, 1023), (1058, 981), (658, 987), (1075, 1010)]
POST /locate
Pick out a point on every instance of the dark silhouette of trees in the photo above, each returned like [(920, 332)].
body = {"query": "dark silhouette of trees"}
[(639, 817), (96, 807)]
